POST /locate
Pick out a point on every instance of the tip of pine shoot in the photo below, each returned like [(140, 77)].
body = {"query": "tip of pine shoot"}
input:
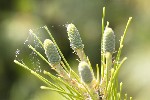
[(108, 40), (85, 72), (51, 52), (74, 37)]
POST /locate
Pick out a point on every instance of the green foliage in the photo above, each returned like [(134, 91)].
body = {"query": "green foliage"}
[(82, 86)]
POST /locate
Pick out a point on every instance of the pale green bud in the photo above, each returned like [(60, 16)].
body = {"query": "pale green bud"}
[(108, 40), (85, 72), (51, 52), (74, 37)]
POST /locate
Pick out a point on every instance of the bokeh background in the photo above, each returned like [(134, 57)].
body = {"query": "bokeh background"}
[(18, 16)]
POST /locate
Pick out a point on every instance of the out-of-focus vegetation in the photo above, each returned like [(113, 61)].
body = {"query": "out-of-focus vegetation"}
[(18, 16)]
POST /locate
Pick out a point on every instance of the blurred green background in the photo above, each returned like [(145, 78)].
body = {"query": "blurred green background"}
[(18, 16)]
